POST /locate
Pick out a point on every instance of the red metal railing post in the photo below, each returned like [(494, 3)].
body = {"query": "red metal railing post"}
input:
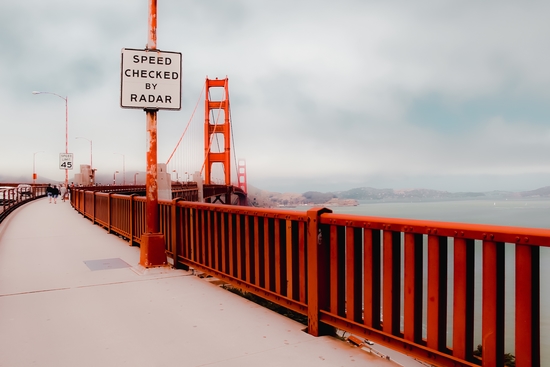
[(437, 292), (463, 319), (493, 304), (527, 305), (317, 246)]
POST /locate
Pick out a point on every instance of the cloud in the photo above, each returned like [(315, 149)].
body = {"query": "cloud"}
[(320, 91)]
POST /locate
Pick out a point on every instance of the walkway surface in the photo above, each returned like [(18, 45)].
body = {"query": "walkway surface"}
[(73, 295)]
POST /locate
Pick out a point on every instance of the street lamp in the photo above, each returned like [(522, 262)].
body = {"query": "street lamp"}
[(177, 177), (91, 166), (135, 175), (123, 168), (114, 177), (34, 166), (66, 99)]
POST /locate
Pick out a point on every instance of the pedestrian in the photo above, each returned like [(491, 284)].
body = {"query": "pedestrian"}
[(63, 192), (55, 193), (49, 192)]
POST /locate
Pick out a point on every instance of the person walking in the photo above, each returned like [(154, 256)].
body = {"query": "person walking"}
[(55, 193), (49, 190), (63, 192)]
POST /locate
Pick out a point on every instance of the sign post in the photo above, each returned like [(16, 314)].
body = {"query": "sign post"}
[(151, 79)]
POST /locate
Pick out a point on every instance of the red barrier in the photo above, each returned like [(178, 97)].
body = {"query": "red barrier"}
[(363, 275)]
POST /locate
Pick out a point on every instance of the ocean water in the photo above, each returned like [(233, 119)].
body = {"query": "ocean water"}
[(533, 213)]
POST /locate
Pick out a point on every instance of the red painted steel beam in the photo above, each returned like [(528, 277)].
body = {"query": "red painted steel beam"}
[(463, 309), (391, 282), (371, 293), (518, 235), (492, 338), (412, 312), (437, 292), (527, 306)]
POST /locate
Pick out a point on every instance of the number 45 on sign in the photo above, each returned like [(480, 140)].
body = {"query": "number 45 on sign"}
[(65, 160)]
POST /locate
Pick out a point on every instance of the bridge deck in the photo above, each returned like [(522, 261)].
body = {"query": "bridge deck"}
[(73, 295)]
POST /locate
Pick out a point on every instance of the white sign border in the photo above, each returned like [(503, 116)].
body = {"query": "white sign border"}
[(122, 78)]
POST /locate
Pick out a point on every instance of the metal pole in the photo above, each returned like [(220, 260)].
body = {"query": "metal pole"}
[(151, 207), (152, 247), (66, 138), (34, 166)]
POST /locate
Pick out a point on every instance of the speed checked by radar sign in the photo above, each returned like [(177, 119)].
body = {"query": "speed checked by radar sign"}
[(150, 79)]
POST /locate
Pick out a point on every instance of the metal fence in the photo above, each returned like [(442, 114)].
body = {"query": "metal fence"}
[(13, 196), (394, 281)]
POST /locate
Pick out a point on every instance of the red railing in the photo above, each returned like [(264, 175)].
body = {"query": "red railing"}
[(369, 276), (11, 197)]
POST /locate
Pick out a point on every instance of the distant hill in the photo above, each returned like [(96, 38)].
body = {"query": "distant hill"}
[(542, 192), (369, 193)]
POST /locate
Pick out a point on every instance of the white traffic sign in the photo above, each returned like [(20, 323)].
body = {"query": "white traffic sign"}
[(150, 79), (65, 160)]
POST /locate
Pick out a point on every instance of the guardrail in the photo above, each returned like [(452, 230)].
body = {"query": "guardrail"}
[(12, 197), (364, 275)]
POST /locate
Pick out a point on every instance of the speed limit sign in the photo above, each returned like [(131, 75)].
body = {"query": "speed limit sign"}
[(65, 160)]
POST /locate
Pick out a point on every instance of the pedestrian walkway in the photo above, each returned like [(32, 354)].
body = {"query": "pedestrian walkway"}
[(73, 295)]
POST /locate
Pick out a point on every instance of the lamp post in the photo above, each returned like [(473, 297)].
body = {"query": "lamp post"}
[(123, 168), (135, 175), (34, 166), (66, 99), (114, 177), (177, 177), (91, 166)]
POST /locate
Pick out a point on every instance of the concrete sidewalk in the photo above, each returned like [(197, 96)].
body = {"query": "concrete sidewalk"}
[(73, 295)]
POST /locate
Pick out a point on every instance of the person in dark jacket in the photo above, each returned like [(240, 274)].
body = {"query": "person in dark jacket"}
[(55, 193), (49, 192)]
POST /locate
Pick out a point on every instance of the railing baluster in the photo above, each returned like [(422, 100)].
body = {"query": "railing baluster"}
[(492, 339), (392, 282), (277, 259), (437, 292), (289, 258), (353, 274), (463, 309), (267, 254), (302, 264), (527, 305), (412, 311), (371, 253)]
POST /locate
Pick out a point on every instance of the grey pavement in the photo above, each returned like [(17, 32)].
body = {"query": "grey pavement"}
[(73, 295)]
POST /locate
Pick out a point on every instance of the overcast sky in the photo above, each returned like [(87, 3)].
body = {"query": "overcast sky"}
[(325, 95)]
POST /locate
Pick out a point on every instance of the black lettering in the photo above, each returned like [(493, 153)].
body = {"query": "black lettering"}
[(133, 97), (154, 86), (168, 61), (151, 98), (152, 74), (127, 73), (151, 59), (136, 59), (135, 73), (174, 75), (168, 99), (166, 75), (159, 75), (142, 98), (160, 60), (147, 86), (144, 73), (143, 59), (159, 99)]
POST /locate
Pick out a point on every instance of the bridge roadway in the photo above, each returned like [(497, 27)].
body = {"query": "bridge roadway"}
[(73, 295)]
